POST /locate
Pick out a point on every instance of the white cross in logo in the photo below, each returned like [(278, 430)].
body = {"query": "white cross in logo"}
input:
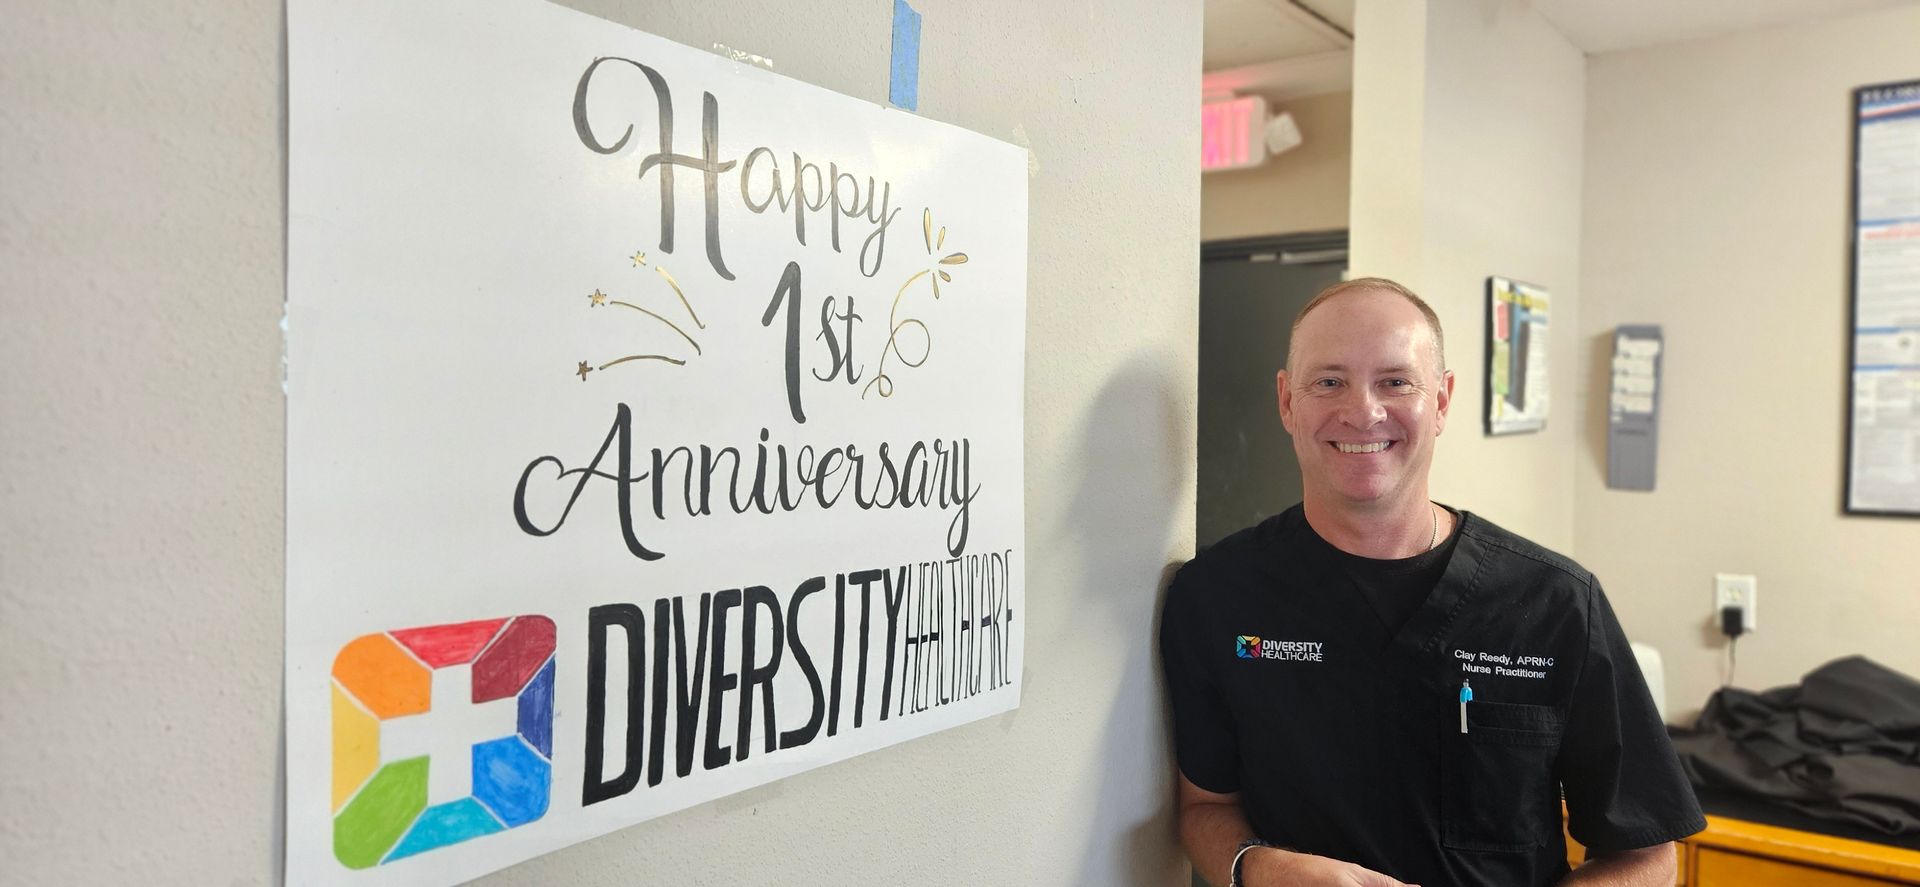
[(448, 732)]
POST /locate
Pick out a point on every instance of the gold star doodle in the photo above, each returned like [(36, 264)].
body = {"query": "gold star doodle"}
[(599, 297)]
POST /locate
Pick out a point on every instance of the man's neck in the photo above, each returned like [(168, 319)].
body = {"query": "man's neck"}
[(1389, 533)]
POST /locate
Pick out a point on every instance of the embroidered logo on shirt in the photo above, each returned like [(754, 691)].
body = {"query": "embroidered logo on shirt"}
[(1248, 646)]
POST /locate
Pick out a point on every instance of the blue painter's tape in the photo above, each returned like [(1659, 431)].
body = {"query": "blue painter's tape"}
[(446, 824), (904, 85)]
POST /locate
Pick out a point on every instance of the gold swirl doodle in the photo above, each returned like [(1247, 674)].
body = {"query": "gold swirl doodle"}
[(881, 381)]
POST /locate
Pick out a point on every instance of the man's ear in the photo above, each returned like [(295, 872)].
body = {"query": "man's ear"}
[(1284, 394), (1442, 400)]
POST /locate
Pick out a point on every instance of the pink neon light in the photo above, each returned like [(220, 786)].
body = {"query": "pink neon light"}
[(1226, 132)]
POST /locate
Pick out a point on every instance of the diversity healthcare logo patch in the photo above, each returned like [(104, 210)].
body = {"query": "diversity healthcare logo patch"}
[(380, 810), (1246, 646)]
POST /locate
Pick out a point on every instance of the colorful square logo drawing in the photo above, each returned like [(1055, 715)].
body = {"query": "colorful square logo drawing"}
[(409, 705), (1246, 646)]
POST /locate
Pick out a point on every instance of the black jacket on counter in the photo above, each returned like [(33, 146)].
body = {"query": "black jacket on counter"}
[(1842, 747)]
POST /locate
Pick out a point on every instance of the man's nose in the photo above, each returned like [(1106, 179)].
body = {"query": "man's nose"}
[(1362, 409)]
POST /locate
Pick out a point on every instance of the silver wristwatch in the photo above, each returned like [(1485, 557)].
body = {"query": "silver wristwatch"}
[(1241, 854)]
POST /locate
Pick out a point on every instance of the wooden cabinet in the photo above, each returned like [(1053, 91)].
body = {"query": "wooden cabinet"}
[(1737, 853), (1712, 866)]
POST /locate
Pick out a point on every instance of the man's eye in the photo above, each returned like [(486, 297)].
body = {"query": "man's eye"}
[(1398, 383), (1326, 383)]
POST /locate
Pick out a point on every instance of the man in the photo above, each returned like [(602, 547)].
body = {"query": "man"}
[(1374, 689)]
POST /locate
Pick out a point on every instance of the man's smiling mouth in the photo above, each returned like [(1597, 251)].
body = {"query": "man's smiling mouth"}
[(1375, 447)]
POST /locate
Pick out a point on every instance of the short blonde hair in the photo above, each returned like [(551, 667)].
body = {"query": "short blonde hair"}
[(1374, 283)]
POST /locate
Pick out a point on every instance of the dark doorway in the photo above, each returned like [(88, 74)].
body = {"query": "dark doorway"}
[(1250, 291)]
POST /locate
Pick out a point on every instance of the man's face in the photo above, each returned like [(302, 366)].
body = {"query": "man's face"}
[(1364, 397)]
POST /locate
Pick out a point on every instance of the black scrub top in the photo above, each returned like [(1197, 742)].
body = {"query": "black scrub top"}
[(1343, 738)]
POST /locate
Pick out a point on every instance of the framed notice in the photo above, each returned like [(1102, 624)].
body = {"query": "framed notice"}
[(1516, 356), (1883, 423), (653, 432)]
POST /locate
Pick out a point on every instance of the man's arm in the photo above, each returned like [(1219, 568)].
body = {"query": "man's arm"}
[(1212, 825), (1622, 781), (1644, 867)]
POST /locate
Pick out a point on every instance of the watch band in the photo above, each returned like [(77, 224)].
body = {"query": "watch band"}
[(1241, 854)]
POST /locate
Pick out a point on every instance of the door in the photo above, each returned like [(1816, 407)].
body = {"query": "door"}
[(1250, 291)]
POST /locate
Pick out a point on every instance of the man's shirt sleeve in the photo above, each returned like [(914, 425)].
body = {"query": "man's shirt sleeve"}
[(1624, 786), (1204, 739)]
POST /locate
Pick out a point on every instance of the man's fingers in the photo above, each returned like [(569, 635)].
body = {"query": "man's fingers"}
[(1370, 878)]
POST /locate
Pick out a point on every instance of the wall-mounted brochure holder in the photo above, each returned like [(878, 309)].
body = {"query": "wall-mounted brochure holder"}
[(1633, 408)]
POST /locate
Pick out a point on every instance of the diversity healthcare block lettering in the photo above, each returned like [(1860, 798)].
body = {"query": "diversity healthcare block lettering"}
[(380, 809)]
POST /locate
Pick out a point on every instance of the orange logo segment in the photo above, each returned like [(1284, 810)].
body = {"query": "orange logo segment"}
[(383, 677)]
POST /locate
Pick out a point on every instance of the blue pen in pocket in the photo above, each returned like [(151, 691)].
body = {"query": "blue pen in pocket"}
[(1466, 696)]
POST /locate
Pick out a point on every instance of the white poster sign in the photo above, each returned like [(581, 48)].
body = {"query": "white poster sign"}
[(654, 432)]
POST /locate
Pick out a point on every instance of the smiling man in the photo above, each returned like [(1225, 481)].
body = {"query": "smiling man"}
[(1371, 688)]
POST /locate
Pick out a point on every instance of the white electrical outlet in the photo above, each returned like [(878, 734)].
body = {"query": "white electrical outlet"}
[(1736, 590)]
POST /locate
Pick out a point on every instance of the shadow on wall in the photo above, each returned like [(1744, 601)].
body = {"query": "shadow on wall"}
[(1136, 458), (1600, 382)]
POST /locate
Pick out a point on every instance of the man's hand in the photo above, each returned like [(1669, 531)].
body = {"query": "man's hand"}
[(1212, 825), (1266, 867)]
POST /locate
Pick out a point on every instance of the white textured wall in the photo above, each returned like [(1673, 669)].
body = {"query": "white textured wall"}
[(141, 451), (1716, 205), (1305, 189), (1468, 124), (1385, 215)]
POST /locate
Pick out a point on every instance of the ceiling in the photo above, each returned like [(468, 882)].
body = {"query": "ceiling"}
[(1248, 32), (1608, 25), (1241, 33)]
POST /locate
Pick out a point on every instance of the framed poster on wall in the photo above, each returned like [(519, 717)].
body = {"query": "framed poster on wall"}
[(1883, 419), (1516, 356)]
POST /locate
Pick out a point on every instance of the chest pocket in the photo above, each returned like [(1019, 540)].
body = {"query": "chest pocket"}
[(1498, 792)]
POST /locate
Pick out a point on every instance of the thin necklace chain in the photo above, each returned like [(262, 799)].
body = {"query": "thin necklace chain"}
[(1434, 539)]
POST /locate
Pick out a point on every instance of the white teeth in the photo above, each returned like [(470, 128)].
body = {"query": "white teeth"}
[(1363, 448)]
